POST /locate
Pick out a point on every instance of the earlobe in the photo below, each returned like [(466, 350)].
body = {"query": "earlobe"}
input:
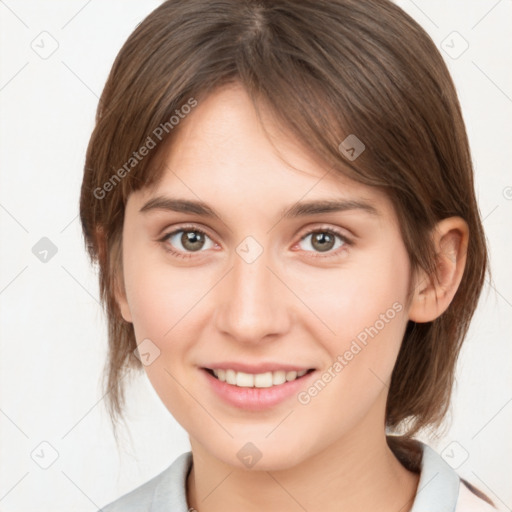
[(122, 302), (433, 294)]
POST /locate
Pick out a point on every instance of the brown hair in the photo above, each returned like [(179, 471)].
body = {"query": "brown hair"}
[(326, 69)]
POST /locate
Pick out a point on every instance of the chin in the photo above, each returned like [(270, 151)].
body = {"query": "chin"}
[(264, 455)]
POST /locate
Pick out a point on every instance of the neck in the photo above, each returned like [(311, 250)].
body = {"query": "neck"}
[(358, 472)]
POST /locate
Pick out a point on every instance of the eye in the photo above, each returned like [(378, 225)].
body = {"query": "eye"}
[(186, 240), (325, 240)]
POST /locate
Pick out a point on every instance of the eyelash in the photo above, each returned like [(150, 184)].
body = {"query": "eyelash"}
[(346, 241)]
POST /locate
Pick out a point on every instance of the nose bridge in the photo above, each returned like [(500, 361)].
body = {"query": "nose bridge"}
[(252, 306)]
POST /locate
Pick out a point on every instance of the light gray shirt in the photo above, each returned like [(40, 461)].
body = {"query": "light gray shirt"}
[(440, 489)]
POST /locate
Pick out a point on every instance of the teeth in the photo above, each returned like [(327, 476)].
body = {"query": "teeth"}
[(259, 380), (230, 377), (244, 380), (278, 378), (291, 375)]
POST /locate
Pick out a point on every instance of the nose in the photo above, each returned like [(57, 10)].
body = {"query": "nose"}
[(252, 305)]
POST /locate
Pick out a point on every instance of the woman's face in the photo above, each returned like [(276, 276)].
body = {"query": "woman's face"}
[(270, 285)]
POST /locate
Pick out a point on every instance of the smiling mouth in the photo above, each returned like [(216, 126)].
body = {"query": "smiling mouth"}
[(258, 380)]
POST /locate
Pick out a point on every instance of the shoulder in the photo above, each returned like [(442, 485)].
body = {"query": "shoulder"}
[(165, 491)]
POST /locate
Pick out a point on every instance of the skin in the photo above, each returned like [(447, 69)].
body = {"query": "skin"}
[(287, 306)]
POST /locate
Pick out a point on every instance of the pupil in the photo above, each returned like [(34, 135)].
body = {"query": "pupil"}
[(325, 241), (192, 240)]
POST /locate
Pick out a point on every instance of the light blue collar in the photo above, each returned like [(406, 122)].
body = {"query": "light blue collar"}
[(438, 488), (171, 491)]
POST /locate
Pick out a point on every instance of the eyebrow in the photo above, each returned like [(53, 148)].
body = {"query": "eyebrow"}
[(299, 209), (327, 206)]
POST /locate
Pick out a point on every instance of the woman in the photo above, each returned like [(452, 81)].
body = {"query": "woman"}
[(280, 198)]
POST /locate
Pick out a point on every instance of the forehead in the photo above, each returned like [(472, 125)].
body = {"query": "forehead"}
[(222, 153)]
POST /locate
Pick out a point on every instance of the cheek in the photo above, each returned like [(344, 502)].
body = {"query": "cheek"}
[(360, 314), (161, 297), (367, 315), (344, 301), (165, 305)]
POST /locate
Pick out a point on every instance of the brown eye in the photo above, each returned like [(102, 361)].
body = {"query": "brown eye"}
[(324, 241), (188, 240), (192, 240)]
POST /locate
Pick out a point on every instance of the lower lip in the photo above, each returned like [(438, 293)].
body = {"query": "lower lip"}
[(256, 399)]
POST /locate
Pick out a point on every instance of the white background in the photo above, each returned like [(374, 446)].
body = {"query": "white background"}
[(53, 335)]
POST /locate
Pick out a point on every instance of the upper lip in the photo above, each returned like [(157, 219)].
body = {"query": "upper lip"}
[(256, 368)]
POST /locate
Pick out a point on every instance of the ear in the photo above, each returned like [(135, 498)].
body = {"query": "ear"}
[(120, 295), (117, 277), (433, 294)]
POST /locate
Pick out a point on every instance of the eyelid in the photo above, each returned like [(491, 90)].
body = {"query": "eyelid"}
[(187, 227), (325, 227)]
